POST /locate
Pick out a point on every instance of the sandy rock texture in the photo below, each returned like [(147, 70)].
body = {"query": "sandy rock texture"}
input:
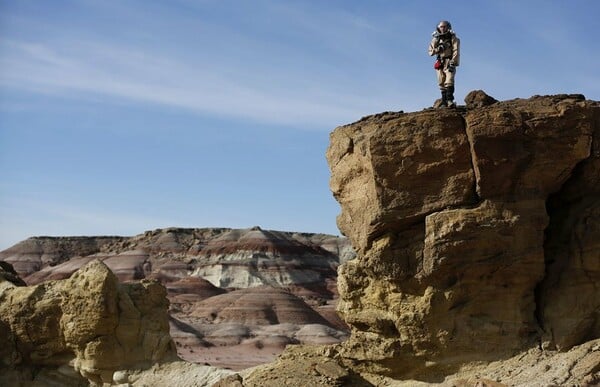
[(89, 330), (477, 237), (476, 231), (90, 321), (304, 365)]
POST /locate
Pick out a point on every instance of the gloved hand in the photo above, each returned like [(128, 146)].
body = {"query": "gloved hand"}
[(451, 67)]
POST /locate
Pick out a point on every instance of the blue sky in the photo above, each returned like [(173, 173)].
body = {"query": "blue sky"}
[(118, 117)]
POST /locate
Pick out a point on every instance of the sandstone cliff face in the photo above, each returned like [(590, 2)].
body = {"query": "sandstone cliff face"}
[(476, 229)]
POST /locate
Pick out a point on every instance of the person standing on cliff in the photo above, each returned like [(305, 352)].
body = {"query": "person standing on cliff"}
[(446, 46)]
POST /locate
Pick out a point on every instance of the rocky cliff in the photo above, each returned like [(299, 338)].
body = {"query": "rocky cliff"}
[(477, 233), (477, 229)]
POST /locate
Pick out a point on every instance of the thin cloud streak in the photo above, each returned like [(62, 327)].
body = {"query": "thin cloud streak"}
[(236, 74), (145, 78)]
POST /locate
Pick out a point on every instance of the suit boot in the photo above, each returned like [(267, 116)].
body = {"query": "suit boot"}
[(444, 101), (450, 96)]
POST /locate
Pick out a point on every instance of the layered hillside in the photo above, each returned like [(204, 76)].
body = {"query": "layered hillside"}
[(236, 258), (477, 231)]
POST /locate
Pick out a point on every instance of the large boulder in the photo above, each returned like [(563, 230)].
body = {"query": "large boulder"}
[(89, 321)]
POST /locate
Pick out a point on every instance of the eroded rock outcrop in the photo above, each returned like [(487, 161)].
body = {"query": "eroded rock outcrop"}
[(477, 231), (89, 321), (478, 260)]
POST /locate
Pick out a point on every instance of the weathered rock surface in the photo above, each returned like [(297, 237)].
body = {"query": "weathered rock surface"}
[(477, 235), (9, 277), (300, 366), (90, 330), (89, 321), (476, 230), (478, 98), (456, 256)]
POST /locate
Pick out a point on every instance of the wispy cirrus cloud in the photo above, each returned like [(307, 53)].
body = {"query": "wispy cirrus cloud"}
[(323, 67), (120, 72)]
